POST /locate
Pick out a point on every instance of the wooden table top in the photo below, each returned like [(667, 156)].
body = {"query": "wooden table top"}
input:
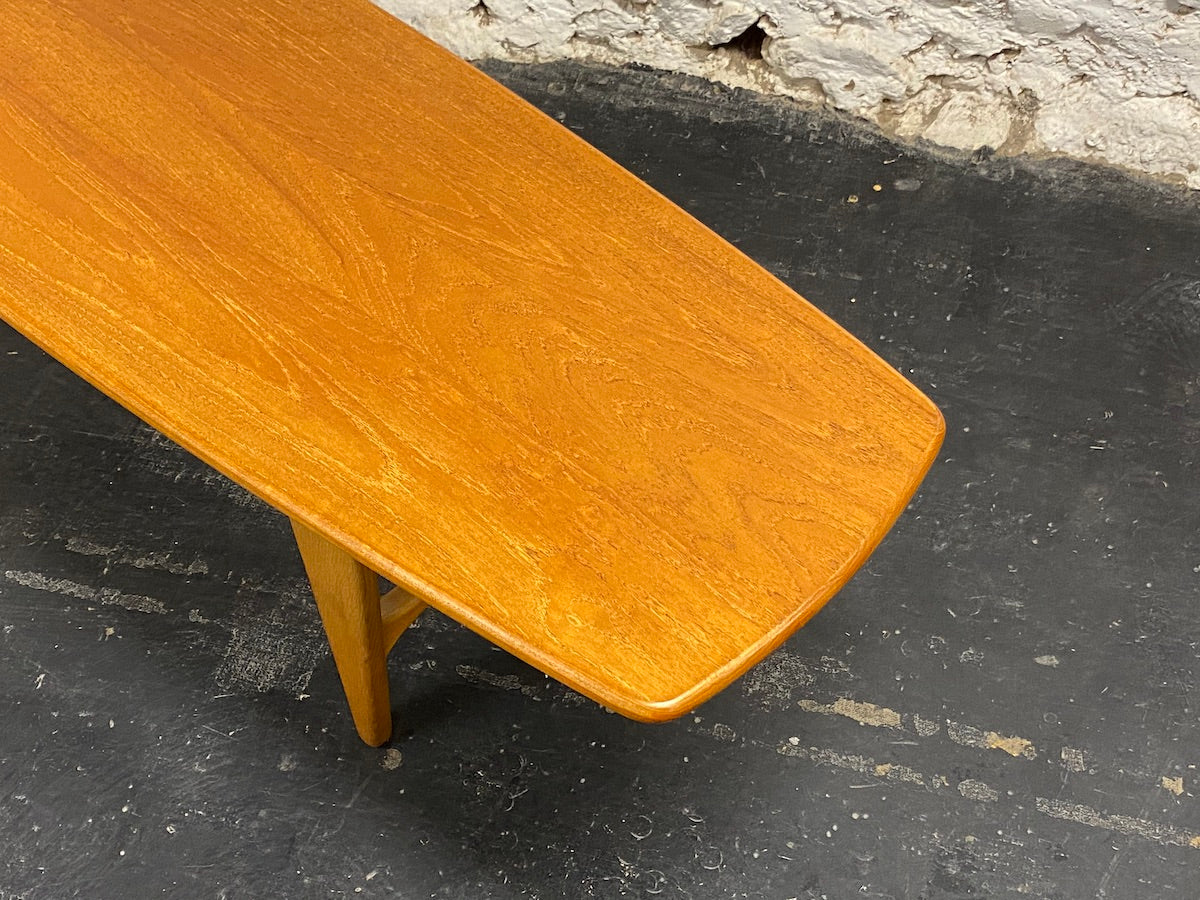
[(405, 308)]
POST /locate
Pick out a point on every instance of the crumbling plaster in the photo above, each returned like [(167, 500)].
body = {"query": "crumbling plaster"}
[(1113, 81)]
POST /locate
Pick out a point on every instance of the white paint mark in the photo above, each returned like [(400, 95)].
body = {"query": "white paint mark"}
[(970, 736), (105, 596), (263, 655), (862, 713), (860, 764), (121, 554), (772, 681), (926, 727), (723, 733), (970, 655), (1073, 760), (475, 675), (1144, 828), (977, 790), (882, 717)]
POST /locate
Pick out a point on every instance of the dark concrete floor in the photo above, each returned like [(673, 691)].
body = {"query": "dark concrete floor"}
[(1000, 704)]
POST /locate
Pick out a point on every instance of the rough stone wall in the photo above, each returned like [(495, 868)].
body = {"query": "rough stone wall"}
[(1113, 81)]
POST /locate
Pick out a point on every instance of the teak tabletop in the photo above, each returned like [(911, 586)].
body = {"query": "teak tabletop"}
[(438, 330)]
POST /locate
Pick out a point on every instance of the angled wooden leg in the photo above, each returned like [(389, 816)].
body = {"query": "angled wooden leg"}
[(400, 609), (347, 595)]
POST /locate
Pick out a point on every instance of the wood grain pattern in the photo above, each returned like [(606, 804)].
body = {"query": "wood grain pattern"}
[(347, 595), (399, 609), (428, 323)]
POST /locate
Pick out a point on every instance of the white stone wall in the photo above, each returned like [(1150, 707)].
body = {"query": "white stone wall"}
[(1114, 81)]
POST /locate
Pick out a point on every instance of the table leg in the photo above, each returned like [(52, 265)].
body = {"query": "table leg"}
[(347, 595)]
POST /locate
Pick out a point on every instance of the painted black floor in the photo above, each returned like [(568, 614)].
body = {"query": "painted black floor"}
[(1000, 704)]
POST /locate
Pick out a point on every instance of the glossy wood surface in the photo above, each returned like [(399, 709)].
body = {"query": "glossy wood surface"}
[(436, 328)]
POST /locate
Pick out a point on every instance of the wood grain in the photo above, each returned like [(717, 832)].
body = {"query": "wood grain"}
[(399, 609), (347, 595), (433, 326)]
